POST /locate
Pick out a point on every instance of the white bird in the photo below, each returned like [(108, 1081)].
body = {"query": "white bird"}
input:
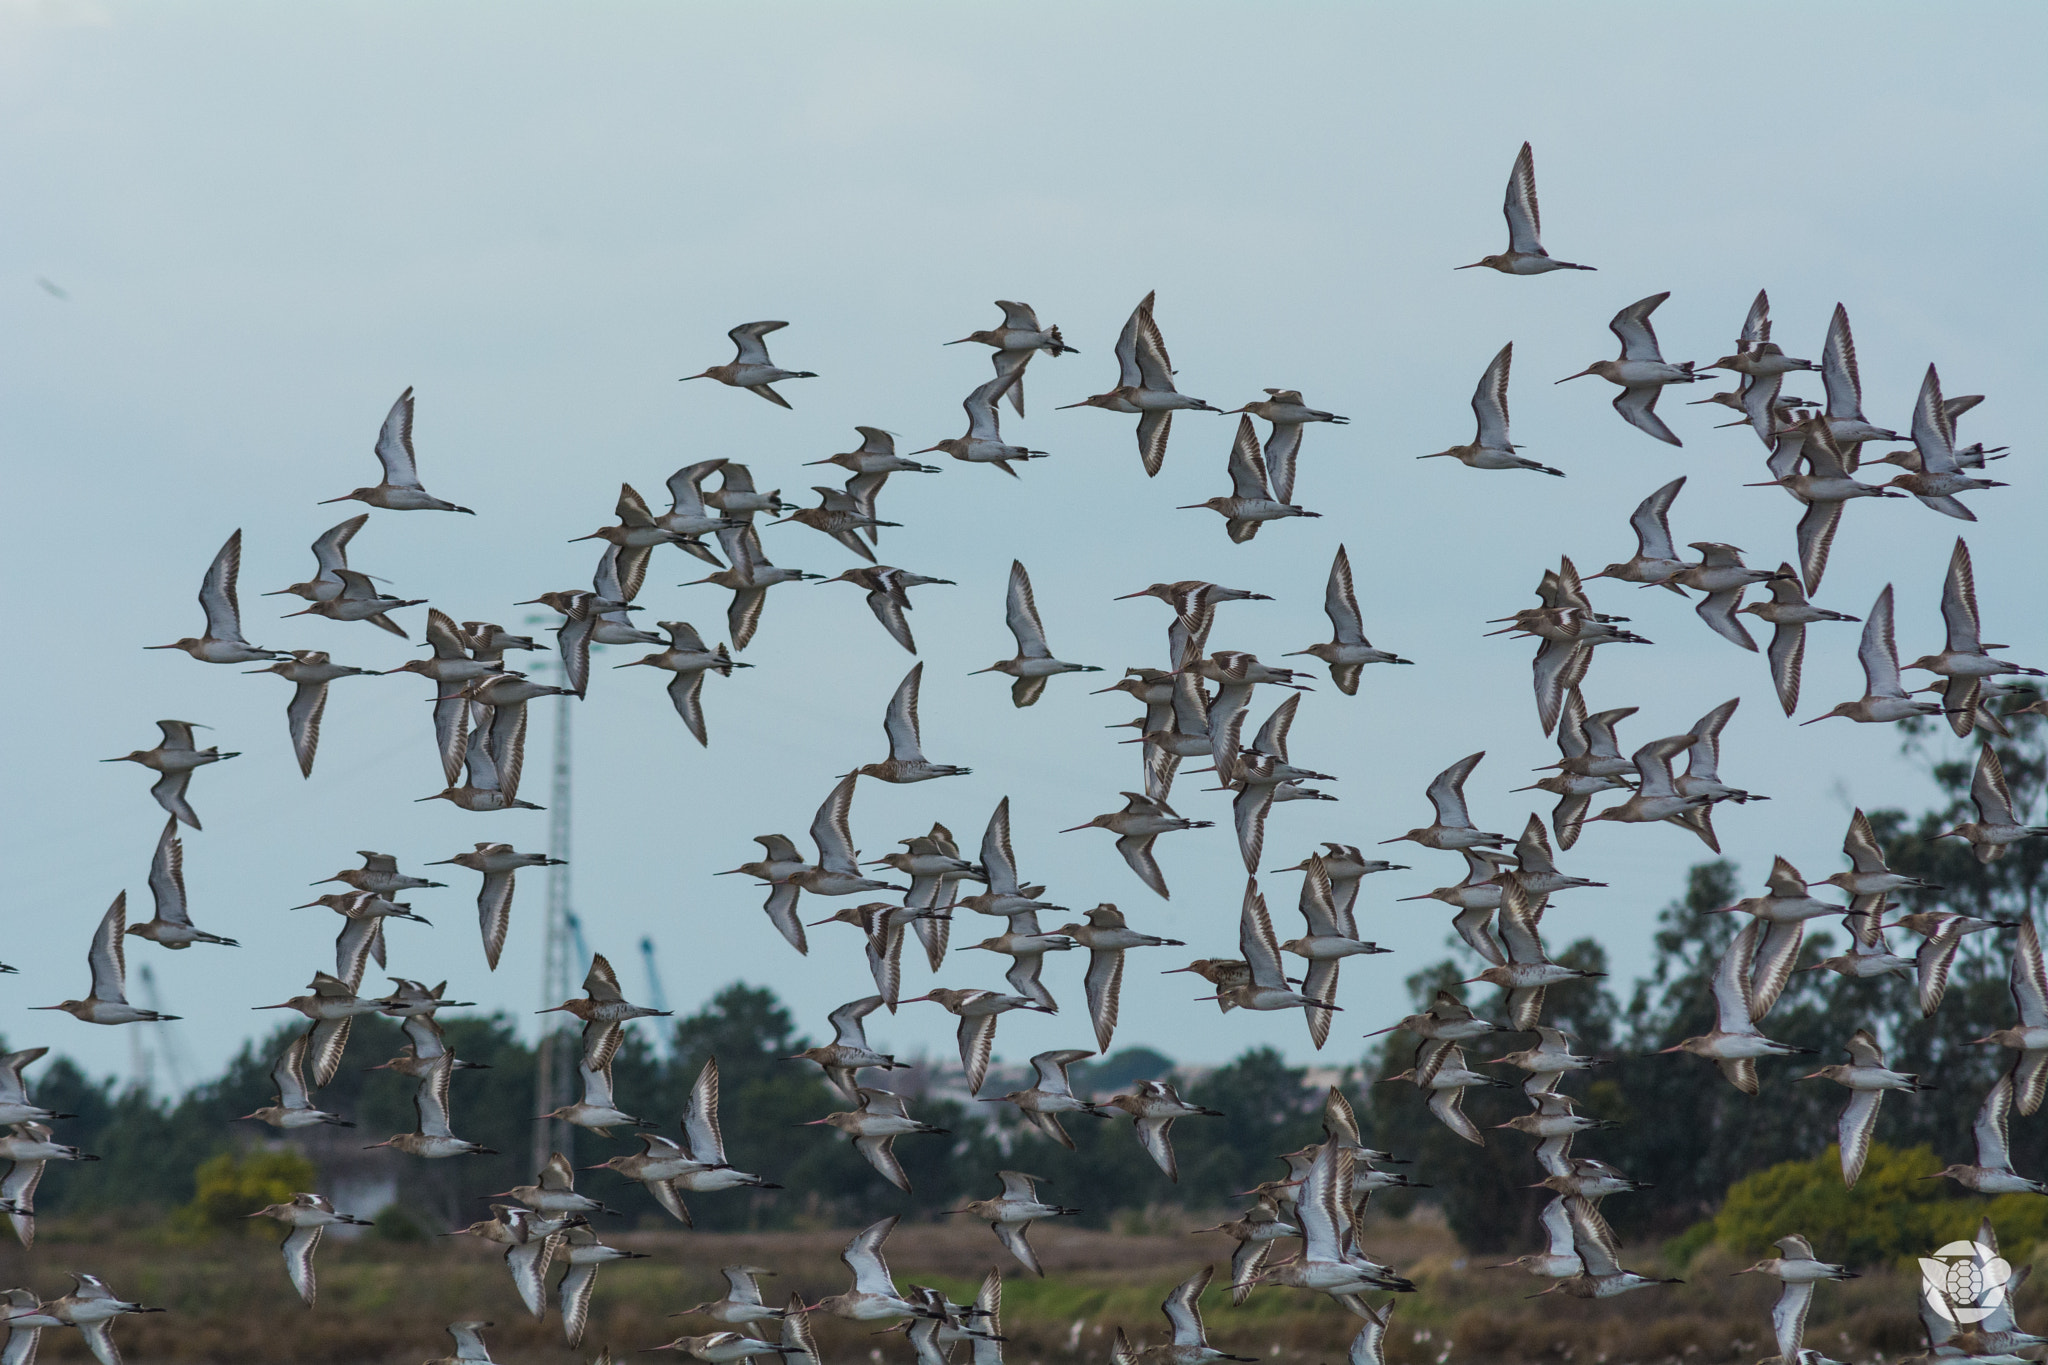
[(469, 1345), (873, 1296), (1993, 1173), (874, 1124), (223, 642), (292, 1106), (1997, 828), (1034, 662), (91, 1307), (1190, 1342), (308, 1216), (742, 1303), (1267, 986), (1763, 366), (1784, 909), (984, 443), (977, 1011), (906, 761), (1288, 413), (176, 756), (1349, 652), (1940, 476), (1019, 338), (1012, 1213), (1251, 501), (1490, 448), (309, 671), (848, 1053), (1137, 826), (400, 490), (1107, 938), (1845, 388), (1790, 614), (1642, 372), (584, 1253), (1154, 1107), (1825, 488), (2028, 980), (1145, 386), (1734, 1043), (1656, 796), (432, 1137), (689, 659), (496, 863), (1603, 1277), (1965, 663), (1440, 1070), (1051, 1095), (15, 1105), (751, 369), (1942, 933), (330, 555), (1722, 576), (107, 1002), (1525, 254), (1332, 936), (1656, 558), (1884, 697), (1559, 1259), (1453, 828), (171, 926), (1867, 1078)]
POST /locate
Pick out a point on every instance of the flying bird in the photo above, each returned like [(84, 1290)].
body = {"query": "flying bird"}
[(1033, 662), (1525, 254), (223, 642), (1251, 501), (1145, 386), (1490, 448), (1349, 651), (751, 369), (1642, 372), (400, 490)]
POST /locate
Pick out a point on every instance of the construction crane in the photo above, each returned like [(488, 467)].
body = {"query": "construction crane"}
[(555, 1072), (656, 996), (166, 1048)]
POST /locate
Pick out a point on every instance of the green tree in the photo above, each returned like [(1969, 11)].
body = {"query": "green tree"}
[(1893, 1215), (229, 1187)]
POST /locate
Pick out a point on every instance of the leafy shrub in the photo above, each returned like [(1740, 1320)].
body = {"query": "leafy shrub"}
[(1894, 1214), (230, 1186)]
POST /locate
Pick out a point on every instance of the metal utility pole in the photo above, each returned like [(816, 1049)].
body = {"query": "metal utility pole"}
[(166, 1051), (657, 998), (556, 1073)]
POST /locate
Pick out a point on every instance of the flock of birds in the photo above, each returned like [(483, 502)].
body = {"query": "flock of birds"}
[(1196, 702)]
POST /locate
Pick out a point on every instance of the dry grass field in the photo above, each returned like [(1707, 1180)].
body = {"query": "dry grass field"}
[(386, 1304)]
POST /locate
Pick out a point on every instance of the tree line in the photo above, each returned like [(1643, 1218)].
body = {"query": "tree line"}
[(1679, 1126)]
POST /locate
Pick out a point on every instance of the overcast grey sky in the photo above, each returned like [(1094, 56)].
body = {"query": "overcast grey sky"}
[(268, 220)]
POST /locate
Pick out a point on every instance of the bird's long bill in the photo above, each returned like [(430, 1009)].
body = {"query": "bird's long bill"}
[(1566, 380)]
